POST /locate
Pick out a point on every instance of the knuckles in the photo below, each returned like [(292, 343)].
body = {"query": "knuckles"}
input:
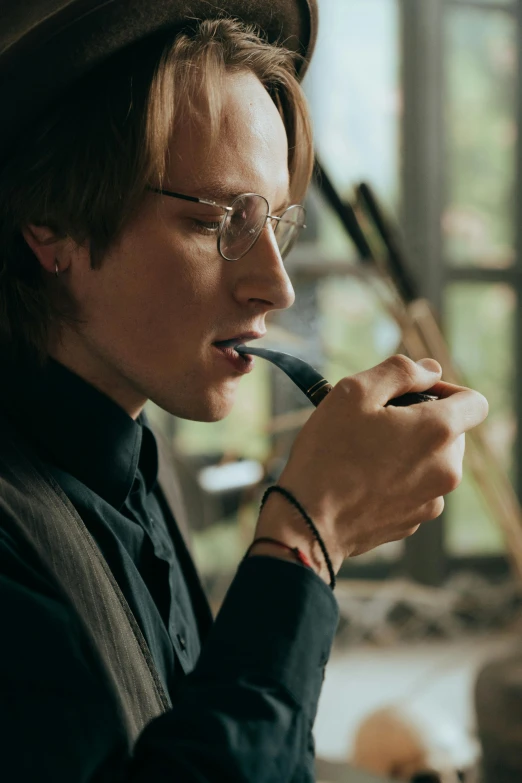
[(403, 365), (411, 531), (444, 432), (452, 480), (435, 508), (354, 386), (447, 480)]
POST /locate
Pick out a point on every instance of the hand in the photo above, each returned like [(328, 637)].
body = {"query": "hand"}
[(368, 474)]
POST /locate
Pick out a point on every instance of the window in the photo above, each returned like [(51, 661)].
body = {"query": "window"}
[(480, 84)]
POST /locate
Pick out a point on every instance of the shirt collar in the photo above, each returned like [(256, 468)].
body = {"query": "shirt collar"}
[(81, 430)]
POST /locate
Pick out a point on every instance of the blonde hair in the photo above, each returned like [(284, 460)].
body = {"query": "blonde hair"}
[(85, 169)]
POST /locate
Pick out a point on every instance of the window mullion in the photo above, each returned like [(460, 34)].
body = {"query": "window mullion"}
[(422, 198)]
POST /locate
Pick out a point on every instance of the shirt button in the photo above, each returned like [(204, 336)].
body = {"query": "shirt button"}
[(182, 642)]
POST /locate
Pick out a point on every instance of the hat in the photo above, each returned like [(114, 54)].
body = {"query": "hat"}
[(46, 45)]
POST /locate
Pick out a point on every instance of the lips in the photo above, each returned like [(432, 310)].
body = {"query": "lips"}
[(240, 338), (241, 364), (228, 343)]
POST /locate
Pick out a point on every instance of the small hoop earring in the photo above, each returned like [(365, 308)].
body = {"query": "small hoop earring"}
[(56, 268)]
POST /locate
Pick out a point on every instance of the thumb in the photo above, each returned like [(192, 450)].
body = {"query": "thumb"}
[(399, 375), (431, 365)]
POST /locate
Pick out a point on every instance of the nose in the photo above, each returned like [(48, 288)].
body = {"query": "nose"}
[(261, 276)]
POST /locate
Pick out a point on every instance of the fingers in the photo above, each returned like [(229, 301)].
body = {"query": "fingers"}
[(460, 409), (408, 527), (442, 389), (460, 445), (445, 477), (431, 510), (427, 512), (393, 377)]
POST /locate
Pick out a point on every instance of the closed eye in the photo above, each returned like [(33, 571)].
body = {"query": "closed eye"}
[(206, 227)]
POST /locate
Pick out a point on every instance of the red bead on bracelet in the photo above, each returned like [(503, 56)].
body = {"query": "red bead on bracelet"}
[(293, 549)]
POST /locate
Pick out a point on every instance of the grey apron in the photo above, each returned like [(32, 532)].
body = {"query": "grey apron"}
[(35, 509)]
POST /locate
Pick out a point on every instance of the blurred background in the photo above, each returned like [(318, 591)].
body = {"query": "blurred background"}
[(421, 99)]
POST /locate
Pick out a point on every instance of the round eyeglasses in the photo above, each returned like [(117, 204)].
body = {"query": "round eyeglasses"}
[(244, 220)]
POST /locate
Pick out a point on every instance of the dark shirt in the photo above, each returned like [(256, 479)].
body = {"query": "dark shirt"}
[(107, 464), (245, 712)]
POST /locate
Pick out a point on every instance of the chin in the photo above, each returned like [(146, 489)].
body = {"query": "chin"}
[(207, 407)]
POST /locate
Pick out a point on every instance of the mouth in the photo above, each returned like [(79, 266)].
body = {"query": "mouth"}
[(231, 342), (243, 363)]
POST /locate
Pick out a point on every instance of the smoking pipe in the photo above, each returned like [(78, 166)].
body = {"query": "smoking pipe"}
[(311, 382)]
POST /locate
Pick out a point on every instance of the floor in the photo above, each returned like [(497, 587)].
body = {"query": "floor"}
[(434, 679)]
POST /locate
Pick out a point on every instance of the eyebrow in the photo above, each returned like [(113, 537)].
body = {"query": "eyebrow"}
[(218, 192)]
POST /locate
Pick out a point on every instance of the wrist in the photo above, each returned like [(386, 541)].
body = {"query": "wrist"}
[(279, 549), (279, 519)]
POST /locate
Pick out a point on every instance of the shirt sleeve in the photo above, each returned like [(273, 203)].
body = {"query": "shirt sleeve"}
[(244, 714)]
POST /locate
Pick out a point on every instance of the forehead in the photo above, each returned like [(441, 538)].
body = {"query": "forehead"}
[(247, 152)]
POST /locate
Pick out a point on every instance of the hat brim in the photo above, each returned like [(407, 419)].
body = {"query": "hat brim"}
[(47, 45)]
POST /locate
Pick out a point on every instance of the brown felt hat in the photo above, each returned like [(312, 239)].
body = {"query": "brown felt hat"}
[(46, 45)]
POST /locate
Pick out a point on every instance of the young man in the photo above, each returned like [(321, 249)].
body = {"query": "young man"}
[(148, 181)]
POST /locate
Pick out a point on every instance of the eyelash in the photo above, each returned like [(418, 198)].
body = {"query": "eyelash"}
[(207, 229)]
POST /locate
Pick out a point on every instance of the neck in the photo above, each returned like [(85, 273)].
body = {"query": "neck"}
[(72, 352)]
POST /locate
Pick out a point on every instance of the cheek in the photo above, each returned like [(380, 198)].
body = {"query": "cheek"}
[(156, 290)]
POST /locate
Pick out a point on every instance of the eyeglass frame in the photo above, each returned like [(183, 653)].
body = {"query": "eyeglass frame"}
[(227, 209)]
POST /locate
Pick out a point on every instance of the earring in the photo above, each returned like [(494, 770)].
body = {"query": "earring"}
[(56, 268)]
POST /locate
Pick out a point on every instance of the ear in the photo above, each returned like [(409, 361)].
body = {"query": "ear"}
[(47, 247)]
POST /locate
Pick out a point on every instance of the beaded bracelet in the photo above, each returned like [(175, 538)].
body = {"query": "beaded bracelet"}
[(291, 499), (293, 549)]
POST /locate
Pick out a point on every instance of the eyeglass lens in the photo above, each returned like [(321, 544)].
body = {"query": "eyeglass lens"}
[(287, 229), (242, 226), (245, 221)]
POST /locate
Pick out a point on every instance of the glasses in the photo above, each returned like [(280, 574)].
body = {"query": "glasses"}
[(245, 218)]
